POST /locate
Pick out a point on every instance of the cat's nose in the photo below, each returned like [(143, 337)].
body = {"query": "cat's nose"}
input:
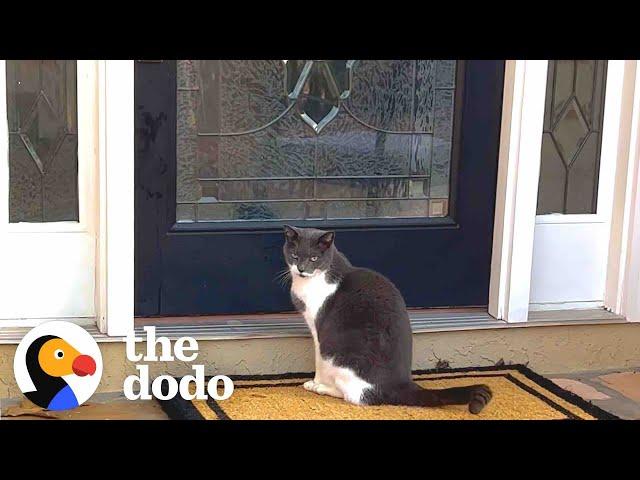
[(300, 268)]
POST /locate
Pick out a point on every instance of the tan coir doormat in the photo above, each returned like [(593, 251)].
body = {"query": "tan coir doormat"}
[(518, 394)]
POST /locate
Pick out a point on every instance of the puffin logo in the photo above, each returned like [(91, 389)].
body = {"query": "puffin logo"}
[(58, 365)]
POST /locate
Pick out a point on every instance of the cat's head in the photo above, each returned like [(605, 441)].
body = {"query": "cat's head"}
[(308, 251)]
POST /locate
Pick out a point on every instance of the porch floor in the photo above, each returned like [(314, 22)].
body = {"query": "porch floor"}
[(617, 391), (101, 406)]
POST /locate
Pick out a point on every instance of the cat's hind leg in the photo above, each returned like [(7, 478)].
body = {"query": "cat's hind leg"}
[(340, 382), (353, 388)]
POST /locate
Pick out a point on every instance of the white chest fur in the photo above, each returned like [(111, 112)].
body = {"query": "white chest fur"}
[(313, 292), (329, 379)]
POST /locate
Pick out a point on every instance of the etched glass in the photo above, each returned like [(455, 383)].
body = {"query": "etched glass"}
[(43, 140), (322, 139), (571, 137)]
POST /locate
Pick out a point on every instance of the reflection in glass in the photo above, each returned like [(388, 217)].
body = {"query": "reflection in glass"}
[(322, 139)]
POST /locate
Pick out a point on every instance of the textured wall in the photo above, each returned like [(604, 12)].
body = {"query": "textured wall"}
[(546, 349)]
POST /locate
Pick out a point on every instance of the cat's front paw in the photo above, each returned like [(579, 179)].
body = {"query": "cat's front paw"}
[(322, 389), (311, 385)]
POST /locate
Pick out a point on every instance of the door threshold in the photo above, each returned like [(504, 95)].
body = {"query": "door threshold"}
[(293, 325), (239, 327), (591, 305), (13, 334), (422, 321), (18, 323), (585, 315)]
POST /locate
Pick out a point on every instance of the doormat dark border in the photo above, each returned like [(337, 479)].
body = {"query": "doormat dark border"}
[(181, 409)]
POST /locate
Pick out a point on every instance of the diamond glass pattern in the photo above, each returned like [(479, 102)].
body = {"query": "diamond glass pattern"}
[(571, 137), (43, 152)]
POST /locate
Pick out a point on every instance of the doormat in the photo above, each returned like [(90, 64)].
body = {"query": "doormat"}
[(518, 394)]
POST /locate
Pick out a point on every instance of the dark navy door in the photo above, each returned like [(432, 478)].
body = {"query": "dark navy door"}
[(399, 157)]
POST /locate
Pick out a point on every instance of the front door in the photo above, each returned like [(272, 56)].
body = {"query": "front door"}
[(399, 157)]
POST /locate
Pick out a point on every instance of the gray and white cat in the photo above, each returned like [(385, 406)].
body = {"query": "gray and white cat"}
[(360, 328)]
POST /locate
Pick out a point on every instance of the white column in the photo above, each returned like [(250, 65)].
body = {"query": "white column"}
[(517, 190), (116, 266)]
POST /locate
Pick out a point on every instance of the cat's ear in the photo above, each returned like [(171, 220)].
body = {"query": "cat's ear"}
[(290, 233), (326, 240)]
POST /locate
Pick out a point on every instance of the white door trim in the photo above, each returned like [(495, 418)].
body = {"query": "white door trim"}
[(622, 293), (517, 188), (116, 251)]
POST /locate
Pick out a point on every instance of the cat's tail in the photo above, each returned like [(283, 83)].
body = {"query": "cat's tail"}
[(475, 396)]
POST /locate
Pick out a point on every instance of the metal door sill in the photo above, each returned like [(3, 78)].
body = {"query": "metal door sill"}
[(293, 325), (239, 327), (423, 321)]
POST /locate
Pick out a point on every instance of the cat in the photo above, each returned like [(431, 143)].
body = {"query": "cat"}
[(360, 328)]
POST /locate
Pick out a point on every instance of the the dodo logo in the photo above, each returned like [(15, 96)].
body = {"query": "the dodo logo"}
[(58, 365)]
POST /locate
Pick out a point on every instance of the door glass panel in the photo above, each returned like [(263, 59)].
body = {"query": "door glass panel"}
[(324, 139), (571, 137), (43, 140)]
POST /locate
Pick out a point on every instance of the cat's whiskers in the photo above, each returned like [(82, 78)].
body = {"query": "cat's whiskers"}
[(283, 276)]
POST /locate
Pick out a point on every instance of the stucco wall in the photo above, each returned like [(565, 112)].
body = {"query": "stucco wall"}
[(546, 349)]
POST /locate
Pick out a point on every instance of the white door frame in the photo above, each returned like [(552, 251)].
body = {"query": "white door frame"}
[(518, 174), (105, 189), (622, 291), (516, 197), (116, 238), (517, 188), (74, 243), (563, 278)]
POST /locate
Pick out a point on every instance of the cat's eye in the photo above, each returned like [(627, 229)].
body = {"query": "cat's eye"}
[(314, 259), (294, 256)]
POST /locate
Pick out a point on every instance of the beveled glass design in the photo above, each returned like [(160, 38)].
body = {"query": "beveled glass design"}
[(43, 140), (571, 137), (313, 139), (317, 87)]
